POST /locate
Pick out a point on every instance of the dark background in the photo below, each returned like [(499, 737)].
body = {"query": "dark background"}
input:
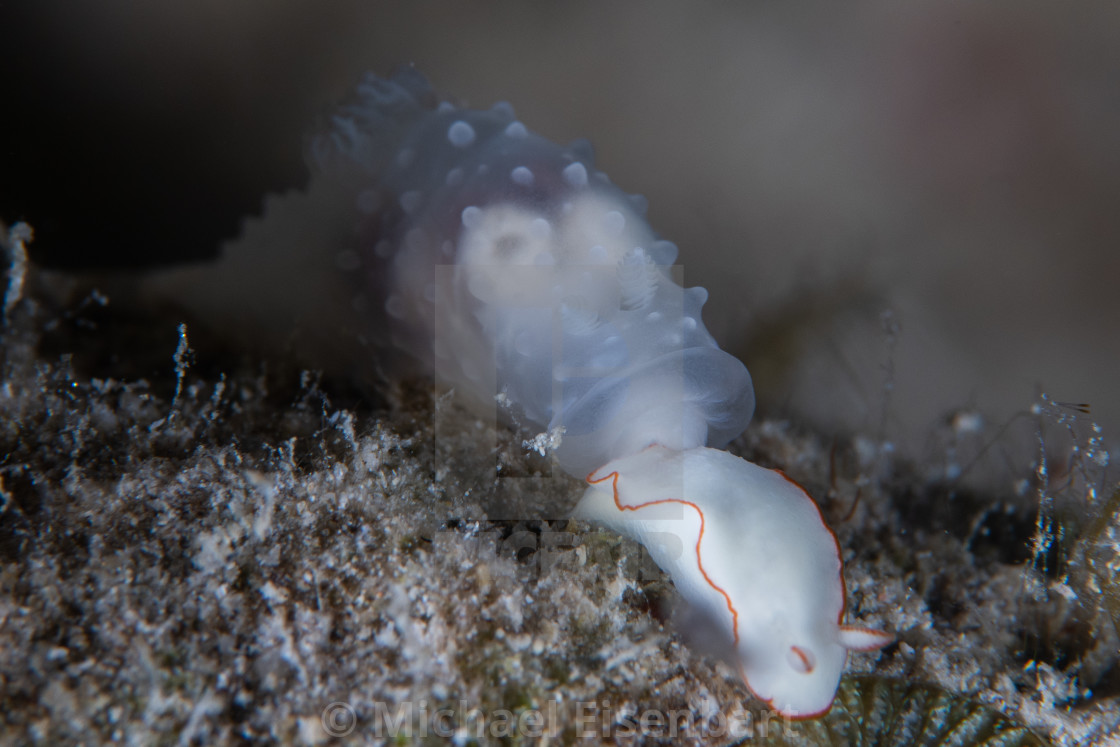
[(957, 164)]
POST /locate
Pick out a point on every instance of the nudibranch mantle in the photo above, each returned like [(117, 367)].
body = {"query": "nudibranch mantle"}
[(747, 546)]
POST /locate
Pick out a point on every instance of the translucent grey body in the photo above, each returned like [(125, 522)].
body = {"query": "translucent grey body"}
[(515, 268)]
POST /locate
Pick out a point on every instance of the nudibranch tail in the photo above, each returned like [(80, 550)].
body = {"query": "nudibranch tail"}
[(863, 639), (747, 546)]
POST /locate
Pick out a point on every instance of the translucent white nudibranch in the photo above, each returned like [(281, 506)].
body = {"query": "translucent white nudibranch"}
[(510, 266)]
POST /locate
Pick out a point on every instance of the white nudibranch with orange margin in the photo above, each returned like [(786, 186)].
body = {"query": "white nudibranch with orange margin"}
[(754, 555), (514, 268)]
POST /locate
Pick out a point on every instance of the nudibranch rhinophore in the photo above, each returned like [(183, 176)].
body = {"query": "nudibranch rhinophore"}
[(513, 268)]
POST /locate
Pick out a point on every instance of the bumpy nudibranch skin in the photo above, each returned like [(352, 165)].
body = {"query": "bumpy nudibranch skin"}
[(513, 267), (533, 275)]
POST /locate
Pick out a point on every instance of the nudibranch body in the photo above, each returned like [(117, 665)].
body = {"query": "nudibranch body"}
[(514, 267), (747, 546)]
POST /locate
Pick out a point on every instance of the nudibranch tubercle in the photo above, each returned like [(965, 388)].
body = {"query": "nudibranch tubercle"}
[(514, 267)]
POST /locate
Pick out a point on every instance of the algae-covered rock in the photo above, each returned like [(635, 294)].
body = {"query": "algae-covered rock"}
[(201, 547)]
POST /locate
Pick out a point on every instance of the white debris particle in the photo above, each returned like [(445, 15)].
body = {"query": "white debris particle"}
[(547, 442)]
